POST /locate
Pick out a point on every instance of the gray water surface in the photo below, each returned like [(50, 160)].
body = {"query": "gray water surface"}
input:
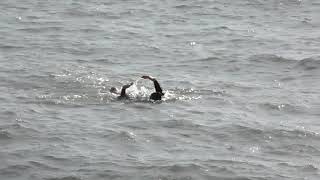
[(241, 80)]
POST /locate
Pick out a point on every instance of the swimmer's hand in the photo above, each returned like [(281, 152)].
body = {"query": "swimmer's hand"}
[(148, 77), (127, 85)]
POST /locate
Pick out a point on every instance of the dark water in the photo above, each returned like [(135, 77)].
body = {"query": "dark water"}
[(241, 80)]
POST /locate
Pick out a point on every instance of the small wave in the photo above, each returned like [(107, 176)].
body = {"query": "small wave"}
[(18, 128), (4, 135), (107, 61), (224, 28), (271, 58), (309, 168), (183, 167), (203, 60), (244, 132), (43, 166), (184, 124), (10, 113), (176, 171), (41, 29), (78, 11), (122, 135), (9, 47), (229, 168), (14, 170), (304, 168), (91, 30), (284, 107), (64, 178), (302, 148), (111, 174), (54, 158), (243, 87), (309, 64), (187, 7), (297, 134), (306, 64)]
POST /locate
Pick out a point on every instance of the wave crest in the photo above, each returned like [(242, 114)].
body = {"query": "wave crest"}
[(309, 63)]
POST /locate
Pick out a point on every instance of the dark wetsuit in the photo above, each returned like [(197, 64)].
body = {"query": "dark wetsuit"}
[(158, 94), (123, 94), (154, 96)]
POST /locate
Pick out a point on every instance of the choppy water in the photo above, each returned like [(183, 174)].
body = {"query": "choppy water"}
[(241, 81)]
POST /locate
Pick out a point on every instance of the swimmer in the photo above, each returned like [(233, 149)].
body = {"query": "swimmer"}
[(122, 94), (154, 96), (158, 94)]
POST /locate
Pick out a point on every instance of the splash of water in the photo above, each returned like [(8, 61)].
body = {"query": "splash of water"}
[(139, 91)]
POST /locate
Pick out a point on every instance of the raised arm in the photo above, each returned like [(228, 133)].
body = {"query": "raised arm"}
[(155, 82), (157, 86), (123, 90)]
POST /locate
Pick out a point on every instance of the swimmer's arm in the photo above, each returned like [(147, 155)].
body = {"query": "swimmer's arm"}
[(155, 82), (157, 86), (123, 90)]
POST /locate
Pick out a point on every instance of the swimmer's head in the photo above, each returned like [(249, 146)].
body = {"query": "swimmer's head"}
[(114, 90)]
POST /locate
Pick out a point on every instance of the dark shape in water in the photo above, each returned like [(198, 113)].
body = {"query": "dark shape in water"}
[(154, 96)]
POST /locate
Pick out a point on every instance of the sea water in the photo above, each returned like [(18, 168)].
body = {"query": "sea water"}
[(241, 82)]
